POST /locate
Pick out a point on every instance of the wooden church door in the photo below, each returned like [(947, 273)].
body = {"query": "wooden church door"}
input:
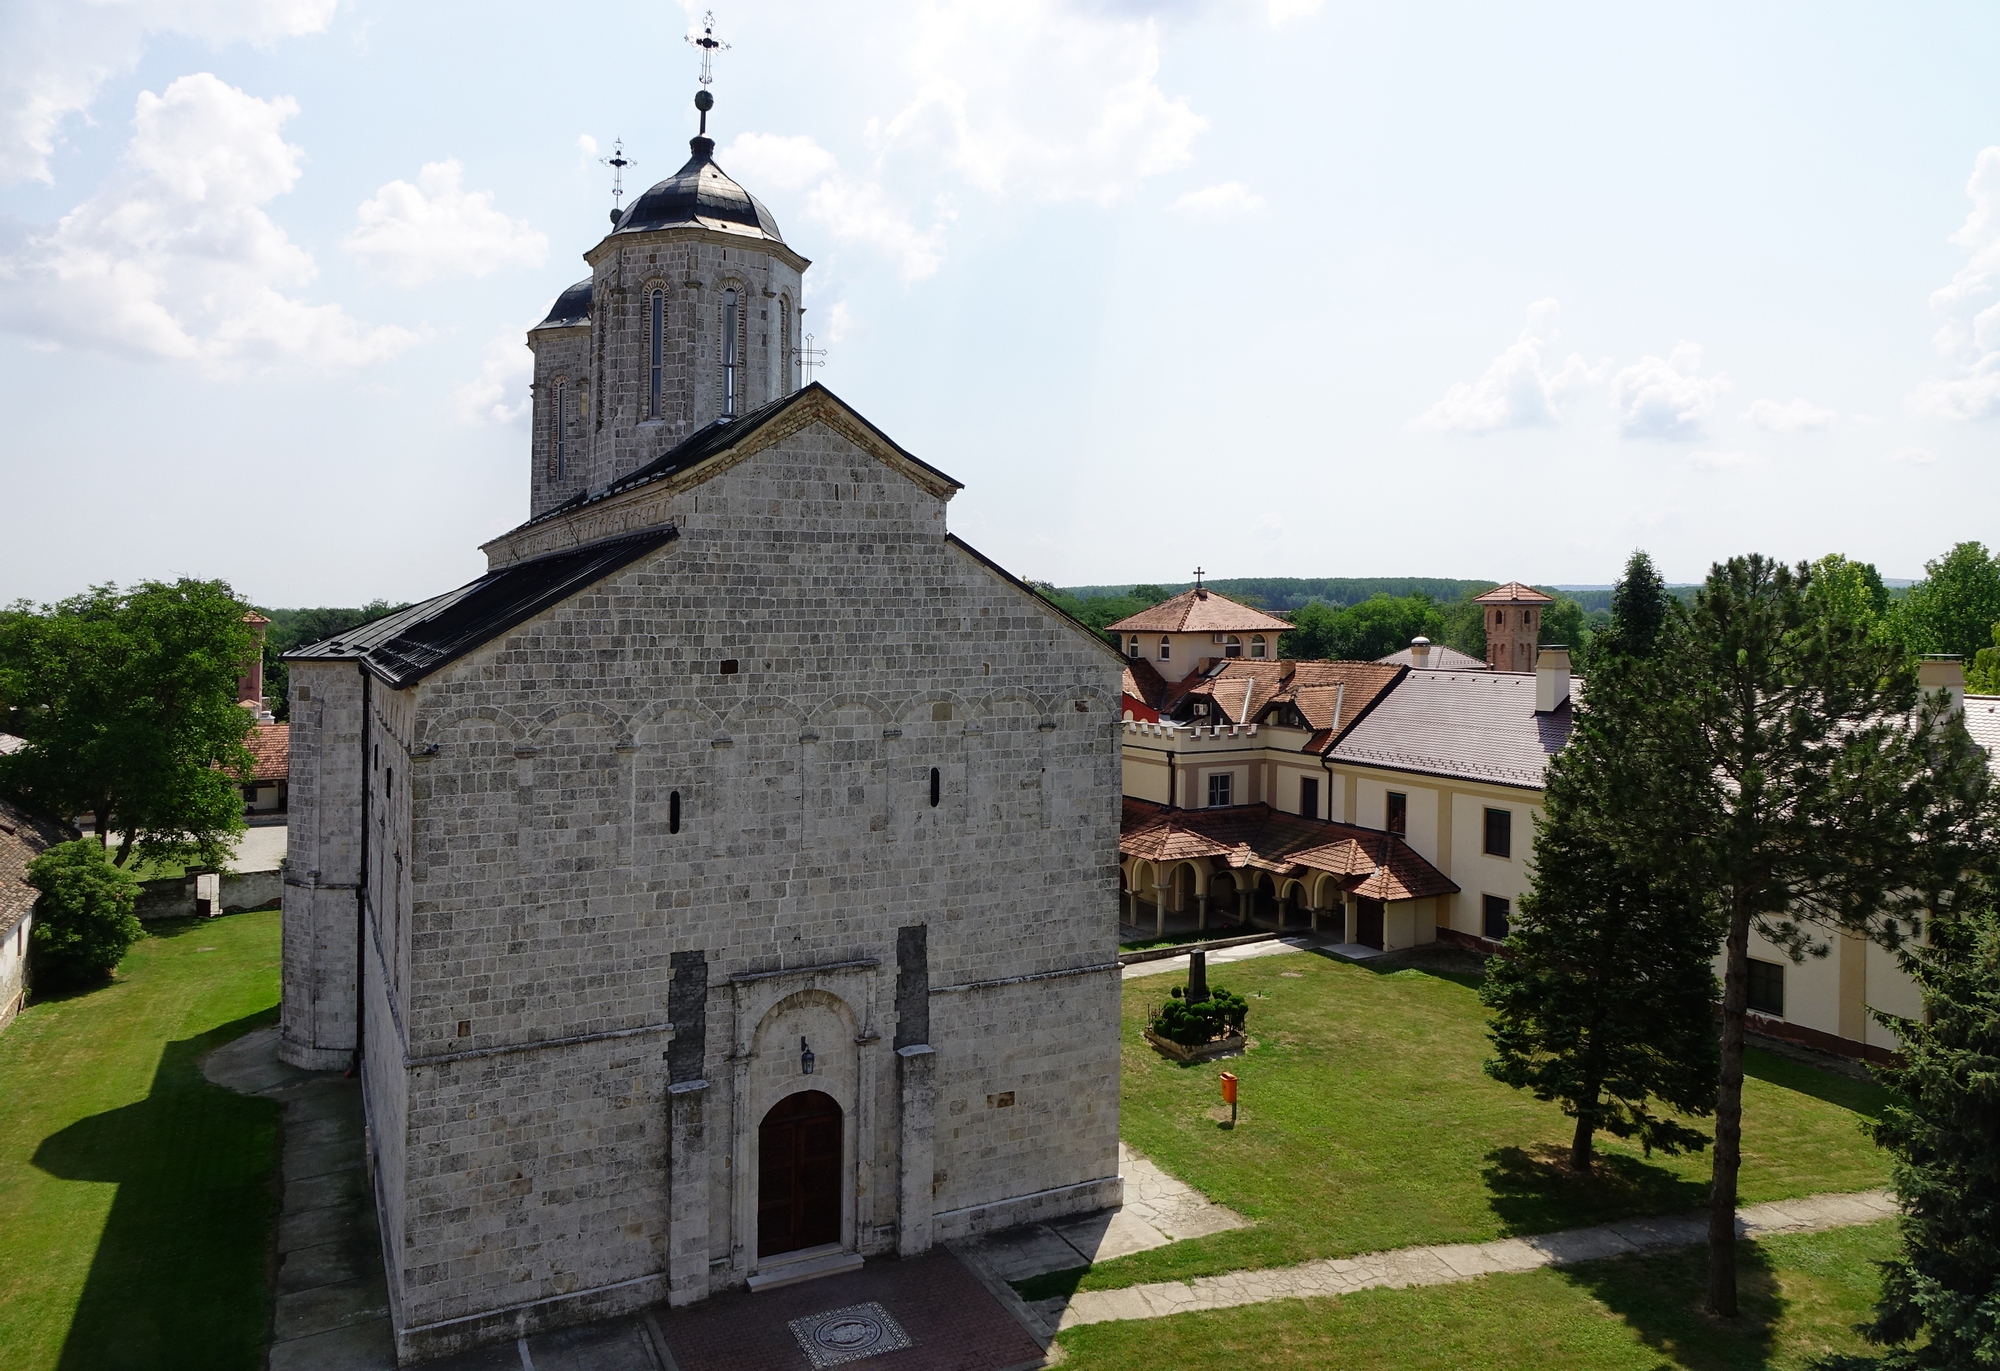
[(798, 1174)]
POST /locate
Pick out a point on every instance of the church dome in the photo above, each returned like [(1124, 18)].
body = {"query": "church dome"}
[(700, 195), (571, 308)]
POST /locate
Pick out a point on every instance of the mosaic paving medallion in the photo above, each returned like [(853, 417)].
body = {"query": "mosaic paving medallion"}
[(840, 1336)]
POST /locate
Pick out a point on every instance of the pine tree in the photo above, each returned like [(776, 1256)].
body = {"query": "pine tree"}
[(1603, 998), (1942, 1128), (1807, 788)]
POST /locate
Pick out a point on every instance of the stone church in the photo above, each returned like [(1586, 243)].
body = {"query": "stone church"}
[(719, 890)]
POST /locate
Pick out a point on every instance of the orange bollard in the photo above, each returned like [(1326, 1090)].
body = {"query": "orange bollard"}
[(1229, 1095)]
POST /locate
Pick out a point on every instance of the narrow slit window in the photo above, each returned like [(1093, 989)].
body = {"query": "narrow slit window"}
[(674, 812), (561, 418), (655, 350), (730, 347), (935, 787)]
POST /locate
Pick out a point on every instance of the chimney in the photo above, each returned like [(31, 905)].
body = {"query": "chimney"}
[(1420, 652), (250, 685), (1551, 678), (1943, 673)]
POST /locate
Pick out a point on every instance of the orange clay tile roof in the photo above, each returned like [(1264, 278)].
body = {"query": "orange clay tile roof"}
[(1330, 695), (1200, 611), (1144, 683), (271, 745), (23, 837), (1368, 862), (1513, 593)]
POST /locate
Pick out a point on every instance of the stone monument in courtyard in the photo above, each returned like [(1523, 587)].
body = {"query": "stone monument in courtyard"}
[(722, 888)]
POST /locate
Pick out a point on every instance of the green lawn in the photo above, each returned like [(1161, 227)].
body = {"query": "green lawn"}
[(1366, 1123), (136, 1199), (1801, 1295)]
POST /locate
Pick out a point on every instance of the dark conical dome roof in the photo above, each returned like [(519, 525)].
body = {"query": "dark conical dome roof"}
[(571, 308), (699, 194)]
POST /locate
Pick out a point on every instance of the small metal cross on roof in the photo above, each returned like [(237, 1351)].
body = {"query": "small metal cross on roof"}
[(1197, 578), (617, 161), (709, 45), (810, 357)]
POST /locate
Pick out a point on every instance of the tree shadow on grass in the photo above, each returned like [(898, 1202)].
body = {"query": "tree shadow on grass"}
[(1659, 1297), (179, 1275), (1862, 1097), (1533, 1190)]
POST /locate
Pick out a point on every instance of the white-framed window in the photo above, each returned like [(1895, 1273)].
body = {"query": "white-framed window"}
[(1219, 789), (1132, 648), (1256, 645), (1166, 648), (1232, 646)]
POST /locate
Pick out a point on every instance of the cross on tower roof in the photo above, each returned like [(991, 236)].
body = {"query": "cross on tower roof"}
[(1198, 574), (709, 45), (617, 161)]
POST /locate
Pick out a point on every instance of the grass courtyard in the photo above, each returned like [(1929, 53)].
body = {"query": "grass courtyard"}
[(1802, 1293), (1366, 1123), (136, 1198)]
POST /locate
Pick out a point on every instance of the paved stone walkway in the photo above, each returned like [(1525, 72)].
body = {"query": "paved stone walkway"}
[(1299, 942), (1158, 1210), (1442, 1265)]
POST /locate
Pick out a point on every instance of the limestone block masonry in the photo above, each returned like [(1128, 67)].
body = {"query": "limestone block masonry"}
[(625, 863)]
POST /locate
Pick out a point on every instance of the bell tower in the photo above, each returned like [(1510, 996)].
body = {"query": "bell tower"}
[(690, 317), (1513, 625)]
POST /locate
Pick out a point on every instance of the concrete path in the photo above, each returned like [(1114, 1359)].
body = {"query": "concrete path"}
[(1158, 1210), (1298, 942), (1442, 1265), (332, 1303)]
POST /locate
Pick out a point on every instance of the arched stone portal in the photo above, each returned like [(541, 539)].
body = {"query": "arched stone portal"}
[(798, 1173)]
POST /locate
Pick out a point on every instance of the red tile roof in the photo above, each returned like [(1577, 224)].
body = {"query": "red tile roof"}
[(1330, 696), (271, 745), (23, 837), (1513, 593), (1369, 862), (1200, 611)]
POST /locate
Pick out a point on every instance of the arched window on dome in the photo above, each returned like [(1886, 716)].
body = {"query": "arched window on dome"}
[(656, 347), (1256, 645), (732, 347)]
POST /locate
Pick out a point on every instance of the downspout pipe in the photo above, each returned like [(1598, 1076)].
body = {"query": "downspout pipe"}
[(361, 884)]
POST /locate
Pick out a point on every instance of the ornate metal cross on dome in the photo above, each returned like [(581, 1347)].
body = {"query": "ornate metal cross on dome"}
[(617, 161), (709, 45)]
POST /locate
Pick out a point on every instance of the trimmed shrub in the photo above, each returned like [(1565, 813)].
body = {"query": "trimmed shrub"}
[(1194, 1022)]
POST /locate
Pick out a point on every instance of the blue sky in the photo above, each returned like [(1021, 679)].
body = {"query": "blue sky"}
[(1279, 288)]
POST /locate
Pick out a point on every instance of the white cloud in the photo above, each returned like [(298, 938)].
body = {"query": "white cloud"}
[(1913, 456), (839, 321), (499, 394), (408, 235), (1224, 200), (1970, 307), (770, 159), (586, 152), (55, 55), (1283, 12), (1800, 416), (1040, 98), (854, 209), (1667, 398), (1716, 459), (1521, 388), (175, 256)]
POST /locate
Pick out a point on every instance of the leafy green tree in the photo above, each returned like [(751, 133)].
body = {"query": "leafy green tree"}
[(292, 628), (1982, 677), (1798, 779), (128, 703), (1462, 625), (1953, 609), (1376, 627), (1847, 589), (1603, 999), (84, 923), (1099, 611), (1562, 622), (1940, 1304)]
